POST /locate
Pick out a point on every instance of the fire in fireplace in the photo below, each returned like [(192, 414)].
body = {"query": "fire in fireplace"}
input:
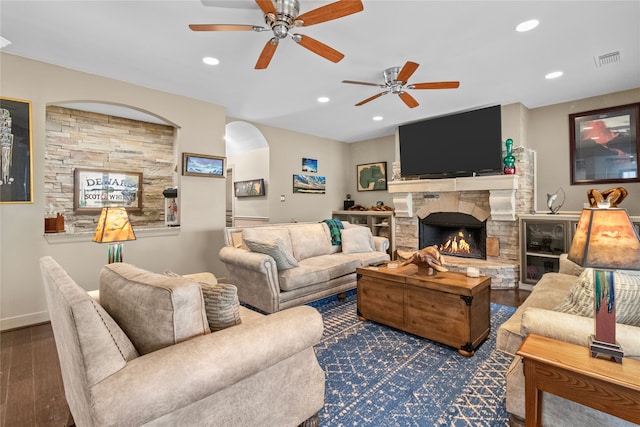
[(455, 234)]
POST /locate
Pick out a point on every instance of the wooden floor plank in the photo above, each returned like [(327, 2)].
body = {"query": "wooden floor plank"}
[(19, 407), (50, 404), (6, 344)]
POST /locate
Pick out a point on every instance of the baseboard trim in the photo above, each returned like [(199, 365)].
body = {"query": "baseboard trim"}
[(25, 320)]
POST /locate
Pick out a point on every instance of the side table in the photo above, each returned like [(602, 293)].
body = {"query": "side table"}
[(569, 371)]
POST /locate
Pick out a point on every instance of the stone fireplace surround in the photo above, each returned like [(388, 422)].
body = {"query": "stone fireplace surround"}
[(498, 198)]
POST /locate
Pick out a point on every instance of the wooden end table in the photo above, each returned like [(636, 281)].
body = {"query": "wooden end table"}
[(569, 371), (449, 308)]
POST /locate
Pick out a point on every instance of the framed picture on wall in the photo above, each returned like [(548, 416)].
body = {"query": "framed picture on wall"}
[(95, 189), (309, 165), (604, 146), (16, 163), (250, 188), (203, 165), (310, 184), (372, 176)]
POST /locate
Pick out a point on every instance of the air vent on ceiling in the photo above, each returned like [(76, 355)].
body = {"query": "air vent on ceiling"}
[(607, 59)]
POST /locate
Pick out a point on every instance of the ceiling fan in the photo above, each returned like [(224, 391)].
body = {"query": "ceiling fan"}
[(395, 81), (282, 17)]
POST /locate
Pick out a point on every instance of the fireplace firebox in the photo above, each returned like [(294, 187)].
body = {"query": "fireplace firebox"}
[(457, 234)]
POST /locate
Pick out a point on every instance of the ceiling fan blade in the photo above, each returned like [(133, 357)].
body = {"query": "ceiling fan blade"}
[(224, 27), (406, 71), (267, 53), (372, 98), (319, 48), (408, 99), (267, 6), (352, 82), (435, 85), (330, 11)]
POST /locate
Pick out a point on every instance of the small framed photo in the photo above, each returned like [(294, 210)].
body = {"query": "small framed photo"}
[(372, 176), (309, 165), (604, 146), (310, 184), (203, 165), (250, 188)]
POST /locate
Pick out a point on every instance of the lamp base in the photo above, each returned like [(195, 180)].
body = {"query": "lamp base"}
[(115, 252), (605, 350)]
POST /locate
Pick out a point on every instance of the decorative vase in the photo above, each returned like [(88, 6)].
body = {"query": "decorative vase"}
[(509, 160)]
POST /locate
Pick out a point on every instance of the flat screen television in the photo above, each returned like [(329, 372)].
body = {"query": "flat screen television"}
[(456, 145)]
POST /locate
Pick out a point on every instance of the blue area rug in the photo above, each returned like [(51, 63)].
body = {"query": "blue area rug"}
[(379, 376)]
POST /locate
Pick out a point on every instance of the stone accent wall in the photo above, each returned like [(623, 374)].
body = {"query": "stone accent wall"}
[(506, 264), (81, 139)]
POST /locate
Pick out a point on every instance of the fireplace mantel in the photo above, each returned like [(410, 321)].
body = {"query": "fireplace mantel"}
[(502, 189), (472, 183)]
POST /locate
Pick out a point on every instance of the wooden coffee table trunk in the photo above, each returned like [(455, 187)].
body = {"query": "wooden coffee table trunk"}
[(449, 308)]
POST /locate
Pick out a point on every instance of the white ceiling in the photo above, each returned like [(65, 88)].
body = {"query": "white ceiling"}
[(148, 43)]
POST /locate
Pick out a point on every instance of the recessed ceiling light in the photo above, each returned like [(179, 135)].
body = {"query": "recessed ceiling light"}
[(323, 99), (209, 60), (377, 118), (4, 42), (527, 25), (553, 75)]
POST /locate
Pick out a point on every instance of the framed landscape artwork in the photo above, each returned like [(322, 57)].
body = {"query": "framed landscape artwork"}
[(309, 165), (95, 189), (310, 184), (16, 163), (250, 188), (604, 146), (372, 176), (203, 165)]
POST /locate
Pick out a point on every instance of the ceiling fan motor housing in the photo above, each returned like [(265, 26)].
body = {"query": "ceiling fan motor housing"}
[(391, 79), (287, 12)]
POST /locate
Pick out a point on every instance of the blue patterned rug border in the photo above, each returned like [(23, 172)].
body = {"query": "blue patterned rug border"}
[(380, 376)]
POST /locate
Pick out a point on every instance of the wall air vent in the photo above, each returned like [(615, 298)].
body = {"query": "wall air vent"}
[(607, 59)]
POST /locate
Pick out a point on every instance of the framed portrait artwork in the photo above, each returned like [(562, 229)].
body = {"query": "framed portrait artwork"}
[(203, 165), (16, 163), (249, 188), (604, 145), (95, 189), (372, 176)]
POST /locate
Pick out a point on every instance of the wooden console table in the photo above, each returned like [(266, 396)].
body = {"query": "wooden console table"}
[(449, 308), (569, 371)]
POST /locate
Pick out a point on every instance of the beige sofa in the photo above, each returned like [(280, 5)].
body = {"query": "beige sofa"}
[(316, 268), (536, 315), (262, 371)]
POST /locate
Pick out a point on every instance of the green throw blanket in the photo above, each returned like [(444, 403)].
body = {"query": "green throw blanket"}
[(335, 225)]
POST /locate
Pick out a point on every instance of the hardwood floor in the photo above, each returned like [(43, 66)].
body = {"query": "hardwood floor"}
[(31, 390)]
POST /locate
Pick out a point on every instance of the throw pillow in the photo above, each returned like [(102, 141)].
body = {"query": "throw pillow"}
[(276, 249), (357, 240), (580, 299), (154, 310), (221, 304)]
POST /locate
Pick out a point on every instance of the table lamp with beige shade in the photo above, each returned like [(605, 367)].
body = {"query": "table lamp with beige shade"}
[(114, 228), (605, 240)]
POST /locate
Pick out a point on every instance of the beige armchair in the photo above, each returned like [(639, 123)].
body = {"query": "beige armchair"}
[(261, 372)]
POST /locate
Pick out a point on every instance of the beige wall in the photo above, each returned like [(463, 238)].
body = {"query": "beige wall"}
[(371, 151), (22, 241), (548, 135)]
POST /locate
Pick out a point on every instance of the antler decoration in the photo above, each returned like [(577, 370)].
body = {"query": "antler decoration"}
[(613, 195), (429, 260)]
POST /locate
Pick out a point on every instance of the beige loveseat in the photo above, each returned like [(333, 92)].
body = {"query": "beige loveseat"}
[(537, 315), (261, 372), (294, 263)]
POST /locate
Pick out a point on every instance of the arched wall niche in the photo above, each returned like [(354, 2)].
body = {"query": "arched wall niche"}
[(247, 159), (113, 137)]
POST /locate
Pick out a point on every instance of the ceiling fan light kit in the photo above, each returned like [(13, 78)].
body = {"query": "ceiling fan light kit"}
[(395, 81), (283, 15)]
